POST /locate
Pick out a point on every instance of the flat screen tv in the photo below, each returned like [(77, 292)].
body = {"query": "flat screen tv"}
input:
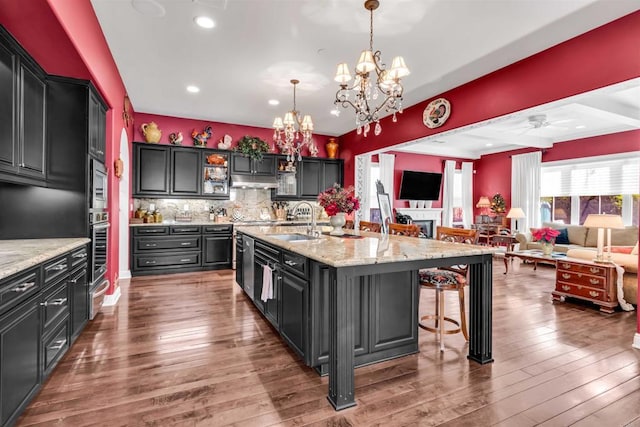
[(420, 185)]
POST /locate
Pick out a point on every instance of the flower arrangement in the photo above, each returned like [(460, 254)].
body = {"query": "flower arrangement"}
[(337, 199), (545, 235), (252, 146)]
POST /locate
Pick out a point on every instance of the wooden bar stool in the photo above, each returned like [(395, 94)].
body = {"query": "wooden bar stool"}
[(410, 230), (453, 278)]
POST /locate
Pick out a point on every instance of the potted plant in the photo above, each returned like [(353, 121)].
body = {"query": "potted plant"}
[(252, 146)]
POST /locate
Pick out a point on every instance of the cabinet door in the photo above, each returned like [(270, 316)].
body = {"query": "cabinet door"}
[(293, 319), (310, 178), (332, 173), (266, 166), (242, 165), (32, 120), (7, 108), (79, 295), (217, 251), (19, 359), (97, 129), (151, 170), (269, 307), (185, 172)]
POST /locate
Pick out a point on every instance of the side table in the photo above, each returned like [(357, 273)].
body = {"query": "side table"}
[(588, 281)]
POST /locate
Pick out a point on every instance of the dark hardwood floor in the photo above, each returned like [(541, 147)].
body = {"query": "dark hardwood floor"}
[(191, 350)]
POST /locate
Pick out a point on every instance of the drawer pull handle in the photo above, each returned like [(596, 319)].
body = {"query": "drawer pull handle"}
[(594, 293), (59, 301), (594, 281), (58, 345), (73, 281), (185, 244), (566, 288), (185, 260), (594, 270), (240, 250), (565, 265), (149, 262), (82, 255), (566, 276), (151, 245), (290, 263), (101, 247), (24, 287), (59, 267)]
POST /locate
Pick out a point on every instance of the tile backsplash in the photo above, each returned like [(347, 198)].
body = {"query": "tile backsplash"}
[(250, 203)]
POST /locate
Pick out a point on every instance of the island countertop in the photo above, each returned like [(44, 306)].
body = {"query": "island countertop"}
[(365, 249), (19, 255)]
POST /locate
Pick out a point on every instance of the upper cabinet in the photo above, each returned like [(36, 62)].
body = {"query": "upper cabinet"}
[(313, 175), (97, 127), (244, 165), (22, 115), (180, 172)]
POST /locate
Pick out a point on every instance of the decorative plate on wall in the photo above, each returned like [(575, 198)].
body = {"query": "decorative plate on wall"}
[(436, 113)]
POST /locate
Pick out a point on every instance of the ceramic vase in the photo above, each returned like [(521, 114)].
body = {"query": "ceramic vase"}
[(337, 221), (332, 148), (547, 248)]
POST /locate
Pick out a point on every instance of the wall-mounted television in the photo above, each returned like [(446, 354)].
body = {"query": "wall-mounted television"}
[(420, 185)]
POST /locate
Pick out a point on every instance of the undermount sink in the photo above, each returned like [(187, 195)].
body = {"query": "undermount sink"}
[(296, 237)]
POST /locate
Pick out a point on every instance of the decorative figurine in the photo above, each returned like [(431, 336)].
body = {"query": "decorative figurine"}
[(175, 138), (225, 143), (200, 139)]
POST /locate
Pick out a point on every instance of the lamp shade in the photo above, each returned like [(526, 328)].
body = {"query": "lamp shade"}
[(365, 63), (342, 73), (516, 213), (604, 221), (483, 202)]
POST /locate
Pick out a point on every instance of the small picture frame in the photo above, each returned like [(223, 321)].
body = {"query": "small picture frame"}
[(385, 211)]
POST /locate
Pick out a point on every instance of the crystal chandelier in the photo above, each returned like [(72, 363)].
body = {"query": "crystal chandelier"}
[(291, 129), (368, 87)]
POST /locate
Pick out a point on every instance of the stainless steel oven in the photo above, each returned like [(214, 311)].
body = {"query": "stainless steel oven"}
[(99, 253)]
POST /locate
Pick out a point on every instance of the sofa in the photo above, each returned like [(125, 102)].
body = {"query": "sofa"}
[(582, 243)]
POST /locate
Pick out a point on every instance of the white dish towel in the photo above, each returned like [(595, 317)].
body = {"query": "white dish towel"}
[(267, 283)]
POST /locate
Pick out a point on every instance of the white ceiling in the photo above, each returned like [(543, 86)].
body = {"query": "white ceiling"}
[(258, 46)]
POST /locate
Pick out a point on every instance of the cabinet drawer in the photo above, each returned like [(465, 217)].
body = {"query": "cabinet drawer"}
[(267, 252), (582, 268), (218, 229), (167, 261), (19, 288), (150, 244), (581, 279), (151, 230), (54, 346), (55, 305), (185, 229), (583, 292), (295, 263), (55, 270), (77, 257)]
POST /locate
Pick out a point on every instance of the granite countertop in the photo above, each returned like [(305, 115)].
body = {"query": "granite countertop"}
[(235, 223), (19, 255), (369, 248)]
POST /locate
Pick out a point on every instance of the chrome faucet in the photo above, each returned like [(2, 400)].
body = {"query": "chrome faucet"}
[(311, 227)]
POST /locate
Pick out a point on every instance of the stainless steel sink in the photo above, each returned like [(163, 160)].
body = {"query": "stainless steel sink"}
[(295, 237)]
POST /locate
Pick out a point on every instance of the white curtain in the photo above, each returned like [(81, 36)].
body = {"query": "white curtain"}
[(363, 185), (467, 194), (447, 193), (387, 164), (525, 188)]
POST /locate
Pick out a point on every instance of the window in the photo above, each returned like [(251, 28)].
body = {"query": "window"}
[(457, 197), (571, 190)]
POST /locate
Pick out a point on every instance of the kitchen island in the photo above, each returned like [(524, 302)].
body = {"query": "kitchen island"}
[(387, 263)]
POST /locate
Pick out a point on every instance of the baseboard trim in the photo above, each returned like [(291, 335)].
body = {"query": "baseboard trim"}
[(125, 274), (636, 340), (111, 300)]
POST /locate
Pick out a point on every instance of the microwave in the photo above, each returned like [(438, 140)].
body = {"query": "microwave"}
[(99, 191)]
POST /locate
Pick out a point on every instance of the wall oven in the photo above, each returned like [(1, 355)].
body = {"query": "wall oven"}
[(99, 193)]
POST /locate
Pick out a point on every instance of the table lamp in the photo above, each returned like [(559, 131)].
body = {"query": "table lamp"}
[(602, 221), (516, 214), (484, 203)]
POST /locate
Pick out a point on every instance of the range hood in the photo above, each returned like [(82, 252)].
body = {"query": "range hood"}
[(254, 181)]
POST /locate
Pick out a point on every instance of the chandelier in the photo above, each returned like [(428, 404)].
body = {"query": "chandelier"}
[(291, 128), (368, 87)]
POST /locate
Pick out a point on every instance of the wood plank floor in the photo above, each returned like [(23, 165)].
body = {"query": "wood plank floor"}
[(191, 350)]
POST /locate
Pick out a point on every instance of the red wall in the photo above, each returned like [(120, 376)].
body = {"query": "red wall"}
[(169, 125)]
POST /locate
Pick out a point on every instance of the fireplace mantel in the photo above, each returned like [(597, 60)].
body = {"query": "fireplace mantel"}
[(418, 214)]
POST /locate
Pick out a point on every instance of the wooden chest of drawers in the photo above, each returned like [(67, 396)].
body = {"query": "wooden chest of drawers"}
[(588, 281)]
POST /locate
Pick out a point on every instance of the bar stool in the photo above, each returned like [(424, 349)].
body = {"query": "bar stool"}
[(453, 278), (410, 230)]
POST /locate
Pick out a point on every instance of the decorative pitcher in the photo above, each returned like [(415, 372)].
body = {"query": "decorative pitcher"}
[(151, 132)]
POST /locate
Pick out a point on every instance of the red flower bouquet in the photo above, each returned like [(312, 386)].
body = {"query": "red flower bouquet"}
[(337, 199), (545, 235)]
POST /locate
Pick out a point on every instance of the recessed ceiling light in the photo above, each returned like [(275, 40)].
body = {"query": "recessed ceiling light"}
[(204, 22), (489, 144), (581, 127), (335, 112), (274, 102), (193, 89)]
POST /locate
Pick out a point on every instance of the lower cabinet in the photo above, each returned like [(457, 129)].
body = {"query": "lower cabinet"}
[(19, 359), (79, 297), (217, 251), (271, 307), (293, 319)]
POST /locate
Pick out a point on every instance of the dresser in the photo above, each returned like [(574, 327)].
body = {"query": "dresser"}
[(588, 281)]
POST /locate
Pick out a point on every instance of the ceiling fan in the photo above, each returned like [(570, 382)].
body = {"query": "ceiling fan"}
[(538, 121)]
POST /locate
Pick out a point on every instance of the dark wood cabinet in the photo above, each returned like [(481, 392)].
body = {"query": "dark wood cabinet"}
[(333, 173), (151, 170), (79, 297), (293, 303), (19, 359), (97, 127), (217, 246), (185, 172), (22, 115), (313, 175), (310, 178), (244, 165), (270, 307)]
